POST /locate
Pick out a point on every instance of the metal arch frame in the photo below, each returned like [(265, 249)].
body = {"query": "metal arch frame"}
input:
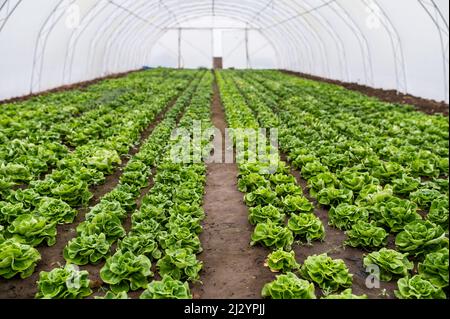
[(389, 29), (41, 42), (397, 47), (7, 12), (232, 17), (442, 27), (241, 13), (363, 42), (190, 17), (75, 36)]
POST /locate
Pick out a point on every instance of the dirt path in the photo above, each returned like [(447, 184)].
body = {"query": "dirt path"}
[(51, 257), (231, 267)]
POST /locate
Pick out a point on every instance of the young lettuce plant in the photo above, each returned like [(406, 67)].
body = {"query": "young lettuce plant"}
[(297, 204), (261, 196), (272, 235), (417, 287), (344, 216), (260, 214), (308, 227), (329, 274), (140, 244), (281, 260), (89, 249), (288, 286), (167, 288), (64, 283), (438, 213), (180, 264), (102, 222), (367, 235), (124, 271), (394, 213), (346, 294), (17, 258), (33, 230), (391, 263), (435, 268), (420, 237)]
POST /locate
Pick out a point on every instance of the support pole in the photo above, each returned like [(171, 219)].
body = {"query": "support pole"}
[(247, 56), (179, 48)]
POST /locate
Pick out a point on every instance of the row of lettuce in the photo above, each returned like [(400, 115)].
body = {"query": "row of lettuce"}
[(29, 215), (164, 228), (340, 149)]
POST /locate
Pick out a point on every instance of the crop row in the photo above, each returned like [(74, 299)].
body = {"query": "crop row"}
[(346, 175)]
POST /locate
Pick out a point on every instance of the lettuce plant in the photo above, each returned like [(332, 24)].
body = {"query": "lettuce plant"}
[(261, 214), (251, 182), (391, 263), (423, 197), (33, 230), (56, 209), (297, 204), (417, 287), (64, 283), (307, 227), (346, 294), (124, 271), (329, 274), (395, 213), (109, 207), (271, 234), (112, 295), (438, 213), (140, 244), (17, 258), (167, 288), (283, 190), (83, 250), (280, 260), (180, 264), (334, 196), (344, 216), (405, 185), (321, 181), (103, 222), (420, 237), (288, 286), (435, 268), (261, 196), (10, 211), (365, 234), (180, 237)]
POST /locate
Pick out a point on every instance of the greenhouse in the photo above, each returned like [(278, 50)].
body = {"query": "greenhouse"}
[(224, 149)]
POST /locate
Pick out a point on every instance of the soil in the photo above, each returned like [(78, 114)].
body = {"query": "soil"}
[(231, 267), (51, 257), (75, 86), (424, 105)]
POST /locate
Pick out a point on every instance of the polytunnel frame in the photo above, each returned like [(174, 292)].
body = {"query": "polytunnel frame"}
[(399, 61)]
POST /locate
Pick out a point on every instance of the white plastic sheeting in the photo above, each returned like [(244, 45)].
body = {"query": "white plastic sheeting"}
[(402, 44)]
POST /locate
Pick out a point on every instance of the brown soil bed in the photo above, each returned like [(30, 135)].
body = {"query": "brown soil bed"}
[(231, 267), (424, 105), (52, 257)]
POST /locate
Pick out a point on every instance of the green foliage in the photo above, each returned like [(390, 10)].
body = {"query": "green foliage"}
[(167, 288), (329, 274), (346, 294), (435, 268), (280, 260), (345, 215), (421, 237), (17, 258), (417, 287), (297, 204), (365, 234), (272, 235), (124, 271), (86, 249), (261, 196), (109, 224), (438, 213), (140, 244), (261, 214), (307, 227), (56, 210), (180, 264), (391, 263), (288, 286), (63, 283), (33, 230)]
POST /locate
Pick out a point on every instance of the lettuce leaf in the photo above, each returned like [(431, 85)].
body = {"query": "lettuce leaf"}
[(391, 263), (417, 287), (280, 260), (17, 258), (288, 286), (167, 288)]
